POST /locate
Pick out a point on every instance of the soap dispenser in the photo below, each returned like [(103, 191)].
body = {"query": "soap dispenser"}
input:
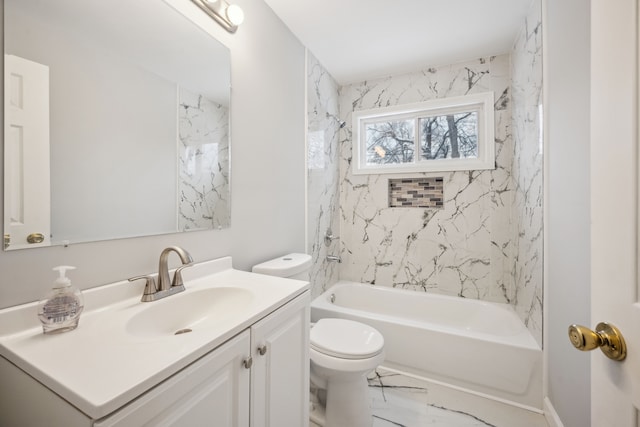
[(60, 310)]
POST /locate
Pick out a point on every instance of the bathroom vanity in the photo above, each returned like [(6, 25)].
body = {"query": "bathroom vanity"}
[(231, 350)]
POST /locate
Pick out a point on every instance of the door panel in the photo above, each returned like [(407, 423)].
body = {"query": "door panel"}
[(213, 391), (614, 196), (280, 373), (27, 207)]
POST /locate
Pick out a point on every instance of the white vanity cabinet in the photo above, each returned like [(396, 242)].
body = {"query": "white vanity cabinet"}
[(260, 377), (280, 371), (210, 392)]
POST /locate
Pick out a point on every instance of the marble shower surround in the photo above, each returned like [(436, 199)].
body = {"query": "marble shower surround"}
[(203, 181), (486, 242), (322, 173), (462, 249), (526, 268)]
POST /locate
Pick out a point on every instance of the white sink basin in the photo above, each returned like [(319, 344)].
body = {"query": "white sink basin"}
[(188, 311)]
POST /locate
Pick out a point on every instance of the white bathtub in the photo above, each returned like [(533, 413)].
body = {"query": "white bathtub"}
[(478, 346)]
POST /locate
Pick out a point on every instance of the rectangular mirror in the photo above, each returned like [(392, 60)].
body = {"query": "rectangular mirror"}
[(116, 122)]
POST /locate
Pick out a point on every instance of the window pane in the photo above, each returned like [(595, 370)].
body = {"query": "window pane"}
[(452, 136), (390, 141)]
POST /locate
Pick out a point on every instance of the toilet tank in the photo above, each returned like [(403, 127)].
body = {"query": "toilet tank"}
[(291, 266)]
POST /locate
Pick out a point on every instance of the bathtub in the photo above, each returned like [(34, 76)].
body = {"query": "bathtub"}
[(479, 347)]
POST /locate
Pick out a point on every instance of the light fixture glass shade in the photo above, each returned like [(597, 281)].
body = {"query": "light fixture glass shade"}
[(235, 14), (229, 16)]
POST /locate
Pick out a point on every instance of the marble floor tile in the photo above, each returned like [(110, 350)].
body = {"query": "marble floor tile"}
[(402, 401)]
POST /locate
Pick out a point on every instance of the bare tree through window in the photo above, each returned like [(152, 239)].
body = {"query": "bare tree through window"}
[(390, 142), (453, 136), (445, 134)]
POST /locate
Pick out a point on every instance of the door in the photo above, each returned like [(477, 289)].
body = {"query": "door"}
[(615, 386), (27, 209)]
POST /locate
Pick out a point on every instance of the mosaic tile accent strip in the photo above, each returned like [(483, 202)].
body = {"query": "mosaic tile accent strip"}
[(416, 193)]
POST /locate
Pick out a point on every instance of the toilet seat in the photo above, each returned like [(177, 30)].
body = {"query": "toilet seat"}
[(346, 339)]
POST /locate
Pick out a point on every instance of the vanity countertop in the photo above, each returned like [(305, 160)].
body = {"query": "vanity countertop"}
[(105, 363)]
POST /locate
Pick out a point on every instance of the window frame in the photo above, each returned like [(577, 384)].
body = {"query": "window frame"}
[(482, 103)]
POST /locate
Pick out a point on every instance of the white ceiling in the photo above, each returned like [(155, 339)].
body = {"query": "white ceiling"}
[(357, 40)]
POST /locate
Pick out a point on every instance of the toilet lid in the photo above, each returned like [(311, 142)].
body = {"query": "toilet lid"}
[(345, 339)]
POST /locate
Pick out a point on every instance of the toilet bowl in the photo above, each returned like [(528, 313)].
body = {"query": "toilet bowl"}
[(341, 352)]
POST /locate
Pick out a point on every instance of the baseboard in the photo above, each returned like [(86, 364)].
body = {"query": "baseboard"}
[(550, 414)]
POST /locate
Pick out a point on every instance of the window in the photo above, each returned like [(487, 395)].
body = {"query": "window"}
[(434, 136)]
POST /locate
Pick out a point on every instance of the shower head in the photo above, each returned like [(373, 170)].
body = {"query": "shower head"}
[(341, 123)]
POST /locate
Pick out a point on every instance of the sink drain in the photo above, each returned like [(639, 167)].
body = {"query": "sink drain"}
[(182, 331)]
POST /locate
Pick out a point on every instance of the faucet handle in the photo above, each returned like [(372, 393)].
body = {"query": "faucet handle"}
[(177, 276), (329, 237), (150, 286)]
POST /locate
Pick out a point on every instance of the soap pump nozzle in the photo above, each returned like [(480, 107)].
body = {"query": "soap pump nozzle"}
[(62, 279)]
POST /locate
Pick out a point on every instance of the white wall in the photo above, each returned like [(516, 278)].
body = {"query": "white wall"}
[(267, 132), (567, 260)]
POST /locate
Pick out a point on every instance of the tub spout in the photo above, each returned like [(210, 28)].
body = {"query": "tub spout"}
[(334, 258)]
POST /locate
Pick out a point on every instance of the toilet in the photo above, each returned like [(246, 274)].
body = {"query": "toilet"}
[(342, 353)]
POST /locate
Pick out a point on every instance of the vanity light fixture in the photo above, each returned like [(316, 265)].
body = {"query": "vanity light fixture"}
[(225, 14)]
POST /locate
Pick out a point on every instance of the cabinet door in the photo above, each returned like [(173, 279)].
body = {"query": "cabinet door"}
[(213, 391), (280, 372)]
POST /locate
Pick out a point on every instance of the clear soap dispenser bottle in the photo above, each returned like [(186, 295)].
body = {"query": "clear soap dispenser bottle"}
[(60, 310)]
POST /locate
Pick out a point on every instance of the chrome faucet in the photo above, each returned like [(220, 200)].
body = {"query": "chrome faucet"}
[(163, 268), (165, 286)]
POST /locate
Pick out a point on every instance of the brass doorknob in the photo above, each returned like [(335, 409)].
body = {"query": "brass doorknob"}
[(35, 238), (606, 336)]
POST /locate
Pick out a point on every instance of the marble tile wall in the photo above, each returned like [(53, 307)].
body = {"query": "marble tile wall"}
[(526, 71), (462, 249), (203, 181), (322, 170), (486, 241)]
